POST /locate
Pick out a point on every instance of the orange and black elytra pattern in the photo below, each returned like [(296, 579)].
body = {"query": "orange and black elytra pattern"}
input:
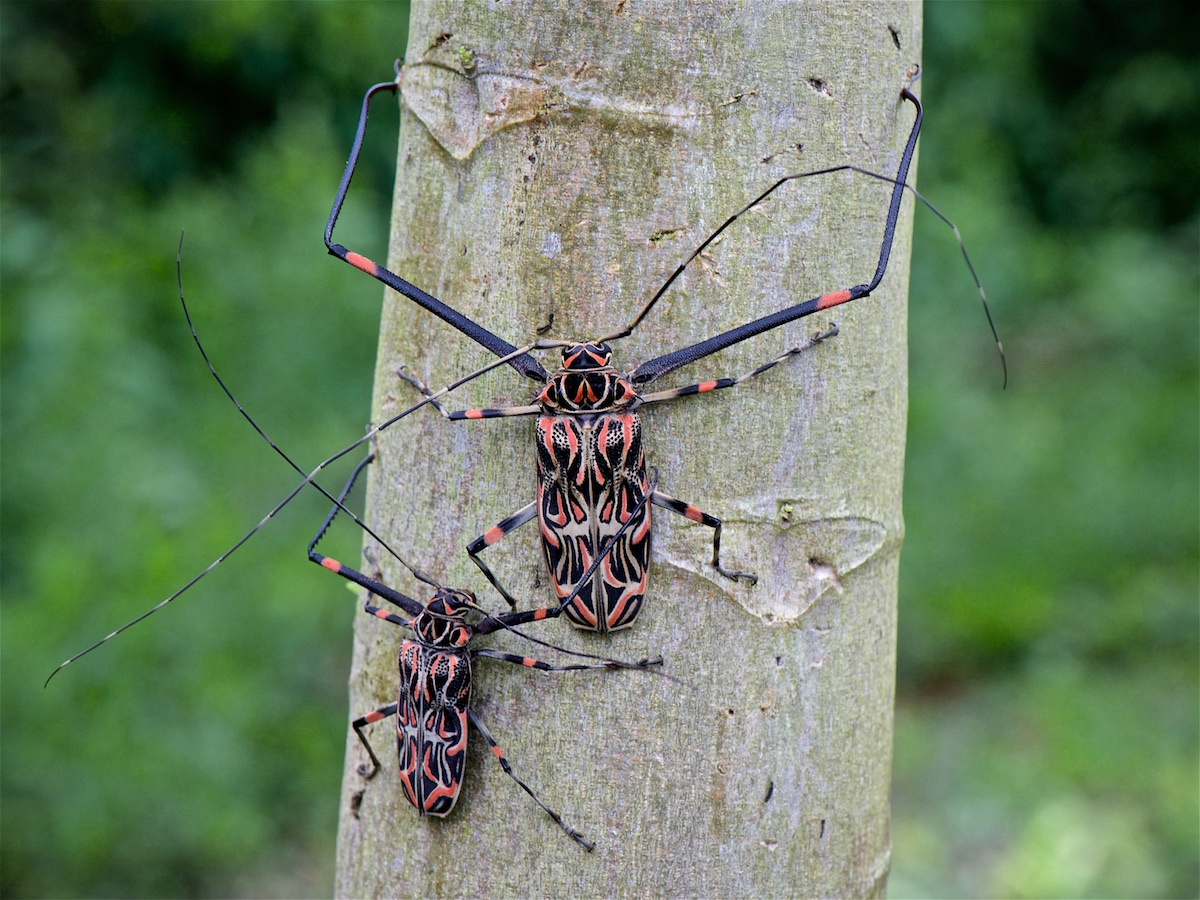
[(590, 464), (433, 705), (591, 476), (435, 694)]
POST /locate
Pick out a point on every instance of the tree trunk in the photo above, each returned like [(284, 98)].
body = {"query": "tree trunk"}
[(559, 160)]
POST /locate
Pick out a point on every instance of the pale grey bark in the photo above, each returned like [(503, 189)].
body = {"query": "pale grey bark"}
[(560, 159)]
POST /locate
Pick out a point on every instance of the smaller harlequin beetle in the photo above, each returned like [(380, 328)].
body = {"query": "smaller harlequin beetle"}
[(436, 663), (434, 702)]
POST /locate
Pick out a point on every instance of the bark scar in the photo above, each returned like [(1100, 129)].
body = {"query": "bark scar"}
[(461, 113), (832, 547), (461, 109)]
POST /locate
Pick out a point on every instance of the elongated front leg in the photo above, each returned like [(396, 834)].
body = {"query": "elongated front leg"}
[(688, 511), (716, 384), (522, 362), (406, 603)]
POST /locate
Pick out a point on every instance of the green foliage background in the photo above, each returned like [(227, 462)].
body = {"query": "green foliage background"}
[(1048, 688)]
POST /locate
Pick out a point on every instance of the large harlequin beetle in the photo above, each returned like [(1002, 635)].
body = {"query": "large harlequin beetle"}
[(434, 703), (591, 480), (591, 471)]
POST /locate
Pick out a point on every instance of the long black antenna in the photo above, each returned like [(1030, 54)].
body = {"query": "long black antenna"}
[(417, 573), (659, 366)]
